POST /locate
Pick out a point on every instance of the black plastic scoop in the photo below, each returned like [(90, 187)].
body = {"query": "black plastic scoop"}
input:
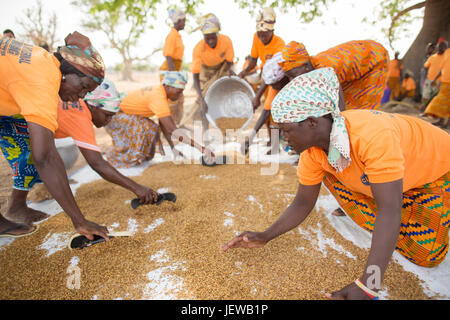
[(217, 161), (79, 241), (168, 196)]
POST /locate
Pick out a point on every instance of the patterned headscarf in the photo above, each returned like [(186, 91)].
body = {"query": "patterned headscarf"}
[(208, 23), (105, 97), (80, 53), (176, 14), (294, 55), (272, 71), (265, 20), (176, 79), (315, 94)]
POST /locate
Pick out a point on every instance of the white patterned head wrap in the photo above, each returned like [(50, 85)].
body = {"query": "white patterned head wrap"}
[(316, 94), (176, 14), (272, 71), (105, 97)]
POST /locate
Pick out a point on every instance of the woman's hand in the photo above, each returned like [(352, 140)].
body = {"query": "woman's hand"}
[(146, 195), (89, 229), (246, 239), (350, 292)]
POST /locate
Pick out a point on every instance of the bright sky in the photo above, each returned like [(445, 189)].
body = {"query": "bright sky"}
[(341, 23)]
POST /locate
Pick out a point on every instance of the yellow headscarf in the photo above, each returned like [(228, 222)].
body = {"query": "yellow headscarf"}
[(265, 20), (209, 23)]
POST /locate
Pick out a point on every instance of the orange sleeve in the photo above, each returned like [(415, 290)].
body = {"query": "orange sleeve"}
[(196, 66), (38, 103), (383, 157), (272, 93), (158, 102), (229, 54), (309, 171), (169, 45), (427, 63), (75, 121), (255, 47)]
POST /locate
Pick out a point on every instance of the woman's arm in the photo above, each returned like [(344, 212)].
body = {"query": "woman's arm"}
[(51, 170), (265, 114), (251, 65), (295, 214), (197, 88), (169, 127), (109, 173), (170, 63)]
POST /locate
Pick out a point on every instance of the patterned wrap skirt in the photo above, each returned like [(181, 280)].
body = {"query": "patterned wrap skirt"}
[(440, 105), (15, 145), (134, 140), (425, 218)]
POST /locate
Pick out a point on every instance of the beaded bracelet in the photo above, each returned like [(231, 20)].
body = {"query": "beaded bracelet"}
[(372, 294)]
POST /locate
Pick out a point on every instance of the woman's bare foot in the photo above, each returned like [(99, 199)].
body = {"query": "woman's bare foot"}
[(338, 212), (14, 229), (25, 215)]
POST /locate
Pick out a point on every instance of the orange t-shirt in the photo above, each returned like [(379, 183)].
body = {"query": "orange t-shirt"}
[(271, 94), (75, 121), (146, 102), (433, 64), (205, 55), (29, 82), (409, 84), (384, 147), (445, 67), (264, 52), (173, 47), (394, 68)]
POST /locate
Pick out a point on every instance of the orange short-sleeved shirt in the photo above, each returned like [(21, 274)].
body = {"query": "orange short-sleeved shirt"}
[(433, 64), (384, 147), (272, 93), (29, 82), (146, 102), (205, 55), (409, 84), (173, 46), (394, 68), (75, 121), (445, 67), (264, 52)]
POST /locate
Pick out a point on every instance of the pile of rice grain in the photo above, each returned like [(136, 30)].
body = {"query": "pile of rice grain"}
[(230, 123), (176, 250)]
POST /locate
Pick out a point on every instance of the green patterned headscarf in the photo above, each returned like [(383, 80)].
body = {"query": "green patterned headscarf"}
[(316, 94)]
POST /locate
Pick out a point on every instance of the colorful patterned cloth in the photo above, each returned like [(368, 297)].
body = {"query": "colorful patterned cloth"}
[(15, 145), (176, 79), (361, 67), (176, 14), (440, 105), (265, 20), (208, 23), (272, 71), (425, 221), (80, 53), (315, 94), (105, 97), (294, 55), (134, 140)]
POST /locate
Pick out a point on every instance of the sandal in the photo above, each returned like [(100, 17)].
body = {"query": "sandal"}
[(5, 233), (222, 160), (79, 241)]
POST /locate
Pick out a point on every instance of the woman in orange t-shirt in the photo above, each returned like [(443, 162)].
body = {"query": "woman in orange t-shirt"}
[(440, 105), (408, 88), (212, 59), (265, 44), (173, 52), (31, 82), (134, 135), (370, 163)]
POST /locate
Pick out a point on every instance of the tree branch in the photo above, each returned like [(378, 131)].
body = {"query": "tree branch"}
[(399, 15)]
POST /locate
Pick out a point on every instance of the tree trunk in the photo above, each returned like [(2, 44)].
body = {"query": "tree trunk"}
[(127, 73), (436, 24)]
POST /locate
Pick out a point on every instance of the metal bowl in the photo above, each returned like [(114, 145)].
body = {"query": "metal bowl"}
[(229, 97), (68, 151)]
